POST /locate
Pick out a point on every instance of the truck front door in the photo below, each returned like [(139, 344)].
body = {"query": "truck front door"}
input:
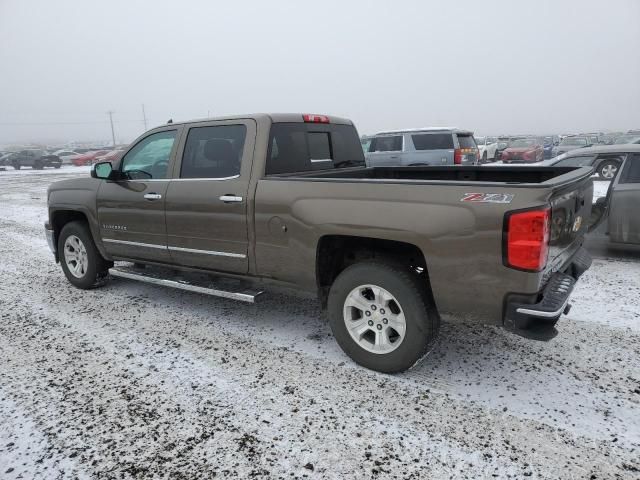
[(206, 209), (131, 211)]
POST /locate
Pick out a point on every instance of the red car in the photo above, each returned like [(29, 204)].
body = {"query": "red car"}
[(87, 158), (524, 150), (111, 156)]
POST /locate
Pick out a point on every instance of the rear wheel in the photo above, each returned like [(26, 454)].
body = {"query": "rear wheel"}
[(607, 170), (37, 165), (16, 165), (382, 316), (81, 261)]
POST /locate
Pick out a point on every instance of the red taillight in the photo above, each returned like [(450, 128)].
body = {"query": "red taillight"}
[(457, 156), (313, 118), (527, 239)]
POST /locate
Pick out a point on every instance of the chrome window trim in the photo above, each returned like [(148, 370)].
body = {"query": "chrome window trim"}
[(181, 179), (207, 252)]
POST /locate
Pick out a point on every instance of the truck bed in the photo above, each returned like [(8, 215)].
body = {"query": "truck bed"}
[(531, 175)]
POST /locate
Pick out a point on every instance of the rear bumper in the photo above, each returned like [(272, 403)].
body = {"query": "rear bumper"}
[(524, 311)]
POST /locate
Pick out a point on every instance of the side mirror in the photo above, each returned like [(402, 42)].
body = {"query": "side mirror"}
[(102, 170)]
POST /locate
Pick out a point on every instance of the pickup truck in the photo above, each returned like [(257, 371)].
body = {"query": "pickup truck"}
[(285, 200)]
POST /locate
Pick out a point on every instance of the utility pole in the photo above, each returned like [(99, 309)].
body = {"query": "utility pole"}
[(144, 118), (113, 133)]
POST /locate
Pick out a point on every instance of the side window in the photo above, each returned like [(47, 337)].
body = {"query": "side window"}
[(631, 172), (386, 144), (149, 159), (466, 141), (433, 141), (213, 152)]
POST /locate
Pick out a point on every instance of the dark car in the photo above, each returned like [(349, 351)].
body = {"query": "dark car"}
[(605, 159), (524, 150), (550, 141), (34, 158), (572, 143)]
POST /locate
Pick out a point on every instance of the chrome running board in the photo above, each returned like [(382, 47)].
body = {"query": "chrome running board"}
[(191, 282)]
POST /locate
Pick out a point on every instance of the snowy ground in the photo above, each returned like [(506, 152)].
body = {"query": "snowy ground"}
[(136, 381)]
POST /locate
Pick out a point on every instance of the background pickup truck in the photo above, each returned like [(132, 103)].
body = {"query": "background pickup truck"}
[(286, 200)]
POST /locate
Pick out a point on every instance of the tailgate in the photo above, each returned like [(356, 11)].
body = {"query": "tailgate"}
[(570, 212)]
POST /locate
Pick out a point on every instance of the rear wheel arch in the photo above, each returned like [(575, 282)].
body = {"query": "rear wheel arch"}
[(335, 253)]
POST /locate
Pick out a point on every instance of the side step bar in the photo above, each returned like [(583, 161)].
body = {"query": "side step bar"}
[(191, 282)]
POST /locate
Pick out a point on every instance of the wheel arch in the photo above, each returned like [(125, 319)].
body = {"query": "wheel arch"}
[(60, 217), (334, 253)]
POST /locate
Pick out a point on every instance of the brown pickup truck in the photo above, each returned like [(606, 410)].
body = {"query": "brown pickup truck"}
[(246, 203)]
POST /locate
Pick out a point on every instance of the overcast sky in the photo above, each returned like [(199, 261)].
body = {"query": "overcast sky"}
[(490, 66)]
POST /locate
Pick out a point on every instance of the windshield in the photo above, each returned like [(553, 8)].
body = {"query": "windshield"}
[(579, 141), (524, 142)]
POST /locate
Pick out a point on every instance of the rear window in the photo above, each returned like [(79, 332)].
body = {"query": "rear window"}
[(386, 144), (466, 141), (301, 147), (432, 141)]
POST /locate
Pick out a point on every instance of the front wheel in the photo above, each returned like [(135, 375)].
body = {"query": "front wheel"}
[(608, 170), (81, 261), (382, 316)]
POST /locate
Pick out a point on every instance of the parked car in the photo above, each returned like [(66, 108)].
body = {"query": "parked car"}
[(423, 146), (619, 209), (34, 158), (87, 158), (605, 159), (487, 148), (285, 199), (65, 155), (524, 150), (502, 145), (550, 141), (110, 156), (571, 143), (628, 138), (5, 158)]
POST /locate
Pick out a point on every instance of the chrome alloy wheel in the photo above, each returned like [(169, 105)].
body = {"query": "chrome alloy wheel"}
[(374, 319), (75, 256)]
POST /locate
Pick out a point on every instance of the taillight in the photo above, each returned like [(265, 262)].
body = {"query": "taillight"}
[(527, 239), (457, 156), (313, 118)]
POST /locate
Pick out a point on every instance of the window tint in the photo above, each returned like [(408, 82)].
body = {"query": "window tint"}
[(300, 147), (150, 157), (386, 144), (213, 152), (319, 147), (631, 173), (433, 141), (466, 141), (575, 162)]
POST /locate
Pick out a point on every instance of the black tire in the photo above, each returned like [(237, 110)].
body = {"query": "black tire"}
[(604, 165), (97, 269), (484, 157), (16, 165), (57, 165), (37, 165), (414, 300)]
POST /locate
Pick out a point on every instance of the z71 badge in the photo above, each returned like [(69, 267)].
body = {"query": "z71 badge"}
[(487, 197)]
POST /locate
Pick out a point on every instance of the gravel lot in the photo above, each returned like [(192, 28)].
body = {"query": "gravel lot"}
[(135, 381)]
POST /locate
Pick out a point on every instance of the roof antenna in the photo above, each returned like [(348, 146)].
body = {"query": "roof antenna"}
[(170, 121)]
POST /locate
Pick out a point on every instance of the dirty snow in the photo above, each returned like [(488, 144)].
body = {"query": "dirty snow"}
[(139, 381)]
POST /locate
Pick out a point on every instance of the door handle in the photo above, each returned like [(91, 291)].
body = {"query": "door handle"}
[(152, 196), (393, 156), (230, 199)]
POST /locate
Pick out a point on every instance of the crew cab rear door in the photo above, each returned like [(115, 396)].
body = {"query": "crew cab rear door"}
[(206, 207), (131, 210)]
